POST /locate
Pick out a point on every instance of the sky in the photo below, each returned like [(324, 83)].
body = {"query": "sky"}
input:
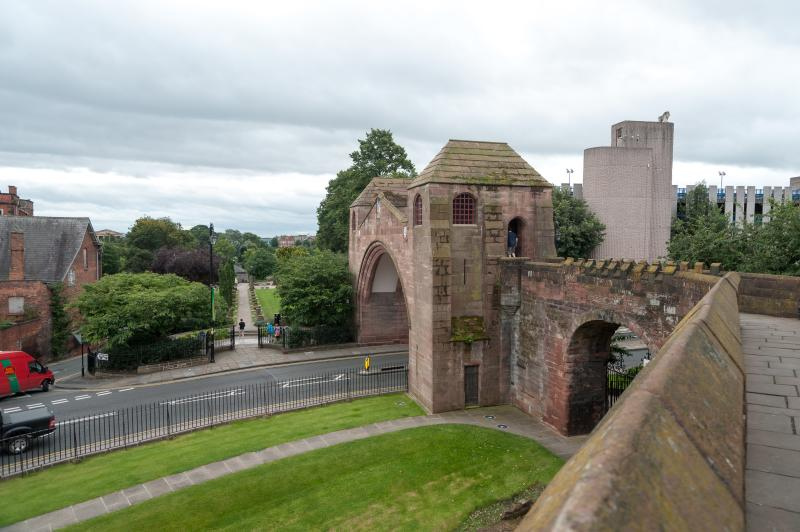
[(239, 113)]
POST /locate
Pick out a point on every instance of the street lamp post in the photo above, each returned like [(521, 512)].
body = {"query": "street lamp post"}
[(569, 177), (721, 176), (212, 239)]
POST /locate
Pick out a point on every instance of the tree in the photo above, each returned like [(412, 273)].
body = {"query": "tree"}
[(774, 247), (705, 234), (190, 264), (316, 289), (130, 309), (274, 242), (152, 234), (378, 155), (578, 231), (112, 257), (200, 234), (225, 248), (227, 281), (259, 262)]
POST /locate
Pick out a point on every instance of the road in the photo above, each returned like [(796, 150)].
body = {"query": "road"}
[(76, 403)]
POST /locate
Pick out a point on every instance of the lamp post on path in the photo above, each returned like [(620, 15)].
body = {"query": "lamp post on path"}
[(212, 239)]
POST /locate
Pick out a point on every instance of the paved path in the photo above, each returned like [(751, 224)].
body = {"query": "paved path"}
[(772, 478), (513, 420), (245, 312)]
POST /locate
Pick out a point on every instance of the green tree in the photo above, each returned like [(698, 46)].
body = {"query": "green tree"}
[(378, 155), (200, 234), (227, 281), (128, 309), (316, 289), (578, 231), (274, 242), (112, 257), (259, 262), (705, 234), (59, 320), (774, 247), (225, 248), (152, 234)]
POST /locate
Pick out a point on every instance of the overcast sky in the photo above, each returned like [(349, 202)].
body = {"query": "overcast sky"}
[(239, 113)]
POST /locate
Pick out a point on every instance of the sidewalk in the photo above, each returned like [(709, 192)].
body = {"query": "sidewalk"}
[(247, 355), (505, 418)]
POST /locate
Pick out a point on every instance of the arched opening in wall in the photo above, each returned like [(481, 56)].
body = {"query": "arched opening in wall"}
[(381, 314), (514, 238), (602, 361)]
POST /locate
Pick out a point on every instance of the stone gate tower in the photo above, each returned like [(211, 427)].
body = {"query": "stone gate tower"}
[(425, 253)]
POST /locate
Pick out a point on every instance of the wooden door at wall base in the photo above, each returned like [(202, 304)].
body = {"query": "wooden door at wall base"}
[(471, 386)]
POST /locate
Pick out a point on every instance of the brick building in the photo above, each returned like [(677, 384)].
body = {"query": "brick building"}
[(12, 205), (425, 255), (34, 253)]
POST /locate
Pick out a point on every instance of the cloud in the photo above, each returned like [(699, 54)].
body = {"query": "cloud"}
[(250, 93)]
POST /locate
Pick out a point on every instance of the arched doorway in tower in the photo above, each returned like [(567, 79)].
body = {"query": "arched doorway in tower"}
[(516, 232), (382, 315), (602, 360)]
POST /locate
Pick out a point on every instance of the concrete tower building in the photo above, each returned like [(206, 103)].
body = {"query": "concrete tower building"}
[(629, 186)]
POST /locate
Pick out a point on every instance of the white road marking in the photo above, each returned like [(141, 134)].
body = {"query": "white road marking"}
[(125, 389), (12, 409), (310, 381), (35, 405), (59, 401), (100, 394), (81, 397), (205, 397), (79, 420)]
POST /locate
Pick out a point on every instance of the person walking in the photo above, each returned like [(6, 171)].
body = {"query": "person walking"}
[(512, 244), (241, 326), (270, 332)]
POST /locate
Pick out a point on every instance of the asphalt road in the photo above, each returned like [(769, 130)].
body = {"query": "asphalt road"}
[(78, 403)]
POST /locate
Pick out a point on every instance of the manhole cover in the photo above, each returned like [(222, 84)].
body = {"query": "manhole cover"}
[(489, 417), (501, 426)]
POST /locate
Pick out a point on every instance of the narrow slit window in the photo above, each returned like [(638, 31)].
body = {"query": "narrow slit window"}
[(418, 210)]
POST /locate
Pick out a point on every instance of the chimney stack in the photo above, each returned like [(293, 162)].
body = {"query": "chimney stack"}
[(12, 190), (16, 271)]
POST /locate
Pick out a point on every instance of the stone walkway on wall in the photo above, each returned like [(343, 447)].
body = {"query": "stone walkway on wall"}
[(506, 418), (772, 478)]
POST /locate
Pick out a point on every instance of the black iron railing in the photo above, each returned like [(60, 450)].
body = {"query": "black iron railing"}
[(83, 436), (617, 380)]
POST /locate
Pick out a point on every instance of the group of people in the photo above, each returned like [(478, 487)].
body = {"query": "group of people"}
[(274, 330)]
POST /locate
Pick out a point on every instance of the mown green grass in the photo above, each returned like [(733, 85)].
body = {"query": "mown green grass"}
[(428, 478), (62, 485), (269, 300)]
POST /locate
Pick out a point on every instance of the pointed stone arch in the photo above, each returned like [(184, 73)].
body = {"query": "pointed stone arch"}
[(382, 314)]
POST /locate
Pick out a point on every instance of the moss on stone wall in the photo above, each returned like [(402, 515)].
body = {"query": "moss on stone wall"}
[(467, 329)]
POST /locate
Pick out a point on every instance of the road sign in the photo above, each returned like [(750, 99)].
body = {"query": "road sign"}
[(367, 362), (102, 356)]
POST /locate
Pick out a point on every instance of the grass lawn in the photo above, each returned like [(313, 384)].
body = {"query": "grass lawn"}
[(428, 478), (62, 485), (269, 300)]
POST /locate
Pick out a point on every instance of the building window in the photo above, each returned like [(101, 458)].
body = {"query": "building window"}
[(418, 210), (464, 209), (71, 278), (16, 305), (85, 259)]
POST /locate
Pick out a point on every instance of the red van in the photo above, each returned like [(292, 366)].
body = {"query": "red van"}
[(20, 372)]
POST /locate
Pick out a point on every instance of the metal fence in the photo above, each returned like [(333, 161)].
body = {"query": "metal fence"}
[(299, 337), (617, 380), (84, 436), (128, 359)]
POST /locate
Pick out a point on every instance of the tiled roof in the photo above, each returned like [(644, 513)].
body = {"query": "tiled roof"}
[(51, 244), (480, 163)]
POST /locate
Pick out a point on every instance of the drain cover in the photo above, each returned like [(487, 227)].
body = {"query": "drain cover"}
[(489, 417), (501, 426)]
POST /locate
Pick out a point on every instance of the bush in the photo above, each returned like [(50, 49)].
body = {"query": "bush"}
[(321, 335), (129, 358)]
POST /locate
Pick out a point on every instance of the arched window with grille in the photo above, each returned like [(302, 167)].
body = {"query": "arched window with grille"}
[(464, 209), (418, 210)]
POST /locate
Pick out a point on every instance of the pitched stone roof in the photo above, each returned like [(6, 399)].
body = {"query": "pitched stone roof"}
[(393, 189), (51, 244), (480, 163)]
